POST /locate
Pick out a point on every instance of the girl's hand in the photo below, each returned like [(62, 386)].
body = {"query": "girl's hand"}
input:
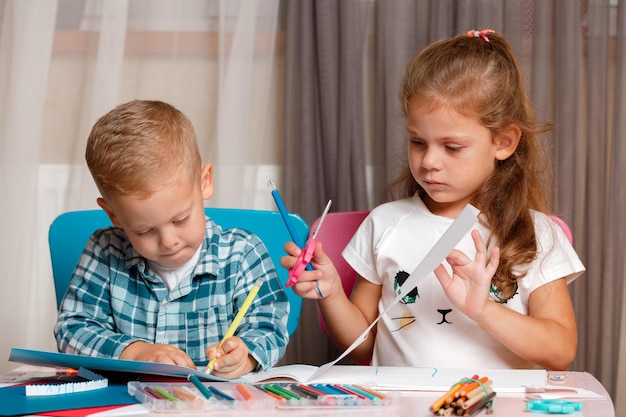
[(468, 287), (322, 282), (233, 359)]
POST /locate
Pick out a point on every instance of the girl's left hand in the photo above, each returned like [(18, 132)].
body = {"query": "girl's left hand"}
[(468, 287)]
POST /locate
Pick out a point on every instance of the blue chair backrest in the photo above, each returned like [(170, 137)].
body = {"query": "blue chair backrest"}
[(70, 231)]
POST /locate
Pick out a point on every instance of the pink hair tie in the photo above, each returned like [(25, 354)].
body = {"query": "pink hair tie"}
[(480, 34)]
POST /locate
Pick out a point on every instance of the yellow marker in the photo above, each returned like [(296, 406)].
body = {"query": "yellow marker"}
[(233, 326)]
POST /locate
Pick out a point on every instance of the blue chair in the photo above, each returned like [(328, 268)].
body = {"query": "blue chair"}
[(70, 231)]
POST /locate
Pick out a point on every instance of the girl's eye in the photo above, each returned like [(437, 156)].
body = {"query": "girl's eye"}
[(414, 141), (453, 148)]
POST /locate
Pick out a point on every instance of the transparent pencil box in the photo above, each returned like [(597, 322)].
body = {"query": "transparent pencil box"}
[(295, 395), (186, 397)]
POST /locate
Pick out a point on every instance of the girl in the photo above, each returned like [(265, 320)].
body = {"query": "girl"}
[(501, 298)]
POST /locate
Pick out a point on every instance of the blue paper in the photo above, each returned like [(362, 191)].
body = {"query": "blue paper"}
[(94, 363), (14, 402)]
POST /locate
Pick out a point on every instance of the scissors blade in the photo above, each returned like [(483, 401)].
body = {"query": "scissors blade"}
[(319, 224)]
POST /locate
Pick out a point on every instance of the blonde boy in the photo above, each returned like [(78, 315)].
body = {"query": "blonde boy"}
[(165, 282)]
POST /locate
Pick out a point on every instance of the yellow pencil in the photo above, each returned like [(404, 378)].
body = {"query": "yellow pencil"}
[(233, 326)]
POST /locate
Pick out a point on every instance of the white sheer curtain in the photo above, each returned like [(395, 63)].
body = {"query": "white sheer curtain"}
[(65, 63)]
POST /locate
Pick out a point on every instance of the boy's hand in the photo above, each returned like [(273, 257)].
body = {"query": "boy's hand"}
[(233, 359), (148, 352), (322, 282)]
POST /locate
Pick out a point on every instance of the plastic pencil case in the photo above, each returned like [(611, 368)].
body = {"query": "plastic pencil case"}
[(327, 396), (184, 397)]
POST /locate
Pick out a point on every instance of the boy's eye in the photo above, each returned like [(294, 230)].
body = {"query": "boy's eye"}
[(181, 221), (144, 233), (453, 148)]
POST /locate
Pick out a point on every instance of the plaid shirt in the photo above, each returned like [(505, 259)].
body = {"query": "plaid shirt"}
[(114, 299)]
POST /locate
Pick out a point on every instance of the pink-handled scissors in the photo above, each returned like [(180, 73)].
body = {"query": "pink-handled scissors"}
[(307, 252)]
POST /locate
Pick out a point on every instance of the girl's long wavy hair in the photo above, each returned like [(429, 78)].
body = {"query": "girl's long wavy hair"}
[(483, 79)]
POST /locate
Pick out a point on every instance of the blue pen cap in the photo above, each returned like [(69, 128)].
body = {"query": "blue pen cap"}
[(554, 406)]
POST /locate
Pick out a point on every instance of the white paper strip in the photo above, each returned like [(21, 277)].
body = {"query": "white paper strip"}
[(94, 381)]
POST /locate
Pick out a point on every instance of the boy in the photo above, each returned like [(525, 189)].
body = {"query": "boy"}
[(165, 282)]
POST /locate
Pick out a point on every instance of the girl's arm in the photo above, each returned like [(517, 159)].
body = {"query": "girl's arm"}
[(546, 337), (345, 318)]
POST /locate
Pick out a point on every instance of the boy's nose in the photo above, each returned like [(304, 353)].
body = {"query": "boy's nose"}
[(169, 239)]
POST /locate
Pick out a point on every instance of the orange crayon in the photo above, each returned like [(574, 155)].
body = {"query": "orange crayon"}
[(472, 385), (444, 398)]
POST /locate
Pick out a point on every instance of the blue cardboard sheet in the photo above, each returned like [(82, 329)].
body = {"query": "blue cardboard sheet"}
[(67, 360), (14, 402)]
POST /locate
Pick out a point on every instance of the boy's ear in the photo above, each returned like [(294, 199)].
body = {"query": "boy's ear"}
[(104, 206), (507, 141), (206, 181)]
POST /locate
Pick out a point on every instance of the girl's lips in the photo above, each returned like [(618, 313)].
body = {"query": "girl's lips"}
[(433, 183)]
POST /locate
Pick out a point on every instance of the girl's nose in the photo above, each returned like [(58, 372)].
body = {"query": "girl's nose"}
[(430, 159)]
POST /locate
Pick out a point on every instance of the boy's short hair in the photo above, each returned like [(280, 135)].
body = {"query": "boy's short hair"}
[(141, 146)]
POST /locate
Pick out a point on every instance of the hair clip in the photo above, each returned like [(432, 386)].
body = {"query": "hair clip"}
[(480, 34)]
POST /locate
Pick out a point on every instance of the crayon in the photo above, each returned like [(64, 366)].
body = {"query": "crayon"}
[(352, 391), (154, 393), (370, 391), (486, 402), (203, 390), (284, 392), (303, 390), (444, 398), (237, 320), (185, 394), (312, 388), (479, 390), (476, 399), (220, 394), (165, 394), (272, 394), (472, 385), (244, 392)]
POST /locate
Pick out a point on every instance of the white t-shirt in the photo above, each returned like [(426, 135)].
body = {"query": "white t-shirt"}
[(425, 329), (170, 275)]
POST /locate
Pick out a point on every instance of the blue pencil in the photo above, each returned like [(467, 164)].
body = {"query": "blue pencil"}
[(285, 215), (198, 384), (220, 394)]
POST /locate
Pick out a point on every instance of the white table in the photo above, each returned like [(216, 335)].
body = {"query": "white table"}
[(416, 404)]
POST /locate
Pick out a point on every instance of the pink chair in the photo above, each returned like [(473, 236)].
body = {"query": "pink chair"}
[(335, 233), (564, 226)]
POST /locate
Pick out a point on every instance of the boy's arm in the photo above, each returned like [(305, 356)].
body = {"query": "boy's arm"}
[(85, 322), (264, 327)]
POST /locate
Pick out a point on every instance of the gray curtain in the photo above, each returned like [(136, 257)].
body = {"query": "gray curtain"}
[(339, 122), (324, 126)]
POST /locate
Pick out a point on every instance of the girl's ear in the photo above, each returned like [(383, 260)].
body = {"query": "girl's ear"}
[(506, 141), (104, 206), (206, 181)]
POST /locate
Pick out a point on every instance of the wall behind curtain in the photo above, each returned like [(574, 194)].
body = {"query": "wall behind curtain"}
[(572, 53), (65, 63)]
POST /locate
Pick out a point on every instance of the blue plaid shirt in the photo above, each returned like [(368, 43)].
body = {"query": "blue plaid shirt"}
[(114, 299)]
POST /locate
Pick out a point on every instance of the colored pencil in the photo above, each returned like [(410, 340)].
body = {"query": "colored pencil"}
[(240, 314)]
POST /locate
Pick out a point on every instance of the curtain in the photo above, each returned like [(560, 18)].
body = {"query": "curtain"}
[(572, 54), (65, 63)]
